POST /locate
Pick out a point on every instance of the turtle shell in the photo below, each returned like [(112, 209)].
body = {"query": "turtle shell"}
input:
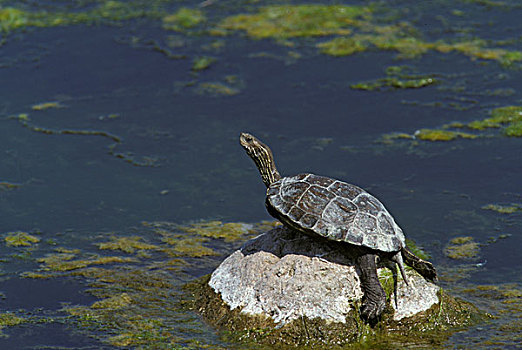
[(334, 209)]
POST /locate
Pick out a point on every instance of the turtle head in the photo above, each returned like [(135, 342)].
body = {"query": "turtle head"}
[(262, 156)]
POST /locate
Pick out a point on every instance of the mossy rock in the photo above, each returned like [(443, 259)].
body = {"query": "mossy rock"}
[(276, 291), (429, 328)]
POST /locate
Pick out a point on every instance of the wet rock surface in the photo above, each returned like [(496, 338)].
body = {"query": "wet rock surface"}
[(295, 289)]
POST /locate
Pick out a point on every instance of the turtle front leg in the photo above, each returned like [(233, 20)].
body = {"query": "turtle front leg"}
[(374, 298)]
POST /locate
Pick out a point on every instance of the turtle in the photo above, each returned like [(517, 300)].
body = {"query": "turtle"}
[(342, 212)]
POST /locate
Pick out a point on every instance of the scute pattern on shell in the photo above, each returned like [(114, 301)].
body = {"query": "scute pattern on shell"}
[(336, 210)]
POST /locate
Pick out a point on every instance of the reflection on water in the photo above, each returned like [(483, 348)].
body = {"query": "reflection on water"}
[(137, 134)]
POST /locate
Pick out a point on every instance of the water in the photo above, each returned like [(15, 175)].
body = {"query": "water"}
[(181, 158)]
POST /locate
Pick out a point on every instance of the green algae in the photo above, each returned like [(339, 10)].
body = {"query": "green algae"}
[(462, 248), (63, 262), (386, 38), (229, 85), (216, 89), (192, 247), (5, 185), (184, 244), (398, 77), (8, 319), (107, 11), (341, 46), (214, 46), (514, 129), (114, 302), (229, 231), (503, 209), (502, 291), (392, 38), (394, 83), (389, 138), (20, 239), (287, 21), (138, 297), (499, 117), (508, 119), (128, 157), (355, 29), (488, 3), (202, 63), (140, 303), (25, 121), (503, 300), (46, 105), (441, 135), (477, 49), (12, 18), (179, 245), (127, 244), (184, 18), (143, 315), (431, 328)]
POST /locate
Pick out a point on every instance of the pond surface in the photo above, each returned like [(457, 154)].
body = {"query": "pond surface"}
[(126, 124)]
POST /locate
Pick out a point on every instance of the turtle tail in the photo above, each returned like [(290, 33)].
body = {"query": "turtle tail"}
[(423, 267)]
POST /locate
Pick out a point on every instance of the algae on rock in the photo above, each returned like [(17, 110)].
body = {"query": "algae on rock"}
[(287, 288)]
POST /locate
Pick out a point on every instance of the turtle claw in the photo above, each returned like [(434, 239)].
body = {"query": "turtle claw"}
[(374, 297), (371, 310)]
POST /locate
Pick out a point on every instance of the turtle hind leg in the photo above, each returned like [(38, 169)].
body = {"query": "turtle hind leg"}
[(423, 267), (393, 268), (374, 298), (397, 258)]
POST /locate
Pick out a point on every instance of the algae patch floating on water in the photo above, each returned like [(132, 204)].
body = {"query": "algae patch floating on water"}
[(8, 319), (509, 116), (504, 209), (287, 21), (355, 29), (202, 63), (20, 239), (508, 119), (46, 105), (216, 89), (12, 18), (139, 287), (140, 300), (398, 77), (25, 120), (127, 244), (441, 135), (184, 18), (462, 248), (216, 229)]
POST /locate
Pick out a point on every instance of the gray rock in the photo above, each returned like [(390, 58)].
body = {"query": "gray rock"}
[(287, 276)]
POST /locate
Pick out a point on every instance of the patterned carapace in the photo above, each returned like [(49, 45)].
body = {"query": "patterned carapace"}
[(336, 210)]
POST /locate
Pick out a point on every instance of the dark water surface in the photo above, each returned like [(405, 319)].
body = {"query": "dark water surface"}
[(180, 160)]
